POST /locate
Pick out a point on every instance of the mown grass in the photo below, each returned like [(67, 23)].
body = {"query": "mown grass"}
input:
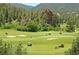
[(41, 43)]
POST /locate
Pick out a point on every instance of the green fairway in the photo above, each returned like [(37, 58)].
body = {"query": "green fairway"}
[(42, 42)]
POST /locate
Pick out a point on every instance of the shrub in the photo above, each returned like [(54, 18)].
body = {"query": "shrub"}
[(47, 27), (6, 26), (15, 24), (21, 28), (1, 47), (70, 27), (5, 48), (32, 26), (56, 28), (74, 50), (19, 49)]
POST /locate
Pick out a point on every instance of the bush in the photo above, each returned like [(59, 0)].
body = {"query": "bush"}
[(6, 26), (33, 26), (56, 28), (74, 50), (15, 24), (9, 48), (4, 48), (21, 28), (47, 27), (1, 47), (70, 27), (19, 49)]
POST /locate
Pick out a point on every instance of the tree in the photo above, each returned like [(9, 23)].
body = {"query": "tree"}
[(47, 15), (70, 27)]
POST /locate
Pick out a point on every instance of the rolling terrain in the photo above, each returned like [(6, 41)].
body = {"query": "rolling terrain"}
[(42, 42)]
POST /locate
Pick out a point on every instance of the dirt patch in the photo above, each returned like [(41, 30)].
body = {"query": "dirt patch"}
[(21, 35), (51, 38), (10, 36)]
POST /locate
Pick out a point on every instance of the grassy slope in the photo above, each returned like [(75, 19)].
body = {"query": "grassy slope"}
[(39, 40)]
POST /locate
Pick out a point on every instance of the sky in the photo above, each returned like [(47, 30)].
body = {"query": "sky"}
[(31, 4)]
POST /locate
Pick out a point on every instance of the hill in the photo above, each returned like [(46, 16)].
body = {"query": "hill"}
[(22, 6), (59, 6)]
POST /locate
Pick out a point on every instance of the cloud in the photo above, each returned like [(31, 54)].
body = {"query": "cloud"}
[(31, 4)]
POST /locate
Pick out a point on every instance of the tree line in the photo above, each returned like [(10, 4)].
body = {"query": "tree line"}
[(36, 20)]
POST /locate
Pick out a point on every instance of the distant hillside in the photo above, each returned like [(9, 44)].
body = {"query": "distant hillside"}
[(19, 5), (59, 6)]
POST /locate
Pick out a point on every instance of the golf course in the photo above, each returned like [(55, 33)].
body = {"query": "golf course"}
[(42, 42), (45, 29)]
